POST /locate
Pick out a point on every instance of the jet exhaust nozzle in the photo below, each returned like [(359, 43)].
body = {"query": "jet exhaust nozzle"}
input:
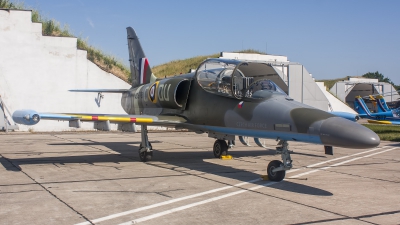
[(26, 117)]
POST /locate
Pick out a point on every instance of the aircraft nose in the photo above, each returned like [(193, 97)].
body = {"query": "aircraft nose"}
[(336, 131)]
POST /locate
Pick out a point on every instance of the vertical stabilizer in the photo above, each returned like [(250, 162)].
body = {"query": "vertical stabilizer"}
[(382, 106), (360, 107), (140, 67)]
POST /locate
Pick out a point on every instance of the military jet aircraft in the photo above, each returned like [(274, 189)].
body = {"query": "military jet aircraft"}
[(224, 98), (381, 117)]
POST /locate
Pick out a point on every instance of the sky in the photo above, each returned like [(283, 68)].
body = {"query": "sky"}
[(332, 39)]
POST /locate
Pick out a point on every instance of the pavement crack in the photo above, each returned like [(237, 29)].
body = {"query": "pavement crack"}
[(355, 217), (16, 192), (47, 190), (162, 193), (364, 177)]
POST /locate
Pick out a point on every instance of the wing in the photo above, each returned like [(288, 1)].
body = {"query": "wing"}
[(30, 117), (101, 90)]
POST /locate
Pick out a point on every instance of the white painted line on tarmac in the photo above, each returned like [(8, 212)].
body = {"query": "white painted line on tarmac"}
[(317, 164), (293, 170), (341, 163), (243, 191), (331, 160), (194, 204), (113, 216)]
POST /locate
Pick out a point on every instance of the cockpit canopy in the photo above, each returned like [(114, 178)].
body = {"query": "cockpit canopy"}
[(237, 79)]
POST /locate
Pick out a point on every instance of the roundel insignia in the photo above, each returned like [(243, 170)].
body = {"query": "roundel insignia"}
[(153, 92)]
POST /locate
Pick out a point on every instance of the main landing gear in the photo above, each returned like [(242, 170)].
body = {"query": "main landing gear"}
[(276, 169), (145, 148), (220, 148)]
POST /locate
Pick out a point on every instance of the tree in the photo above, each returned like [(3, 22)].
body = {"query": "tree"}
[(378, 76), (381, 78)]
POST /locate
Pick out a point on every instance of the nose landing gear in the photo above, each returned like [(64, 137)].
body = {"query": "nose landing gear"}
[(276, 169)]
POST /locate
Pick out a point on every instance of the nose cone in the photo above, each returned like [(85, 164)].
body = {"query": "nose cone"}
[(336, 131)]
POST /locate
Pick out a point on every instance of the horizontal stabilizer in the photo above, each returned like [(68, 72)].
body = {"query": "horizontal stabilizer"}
[(101, 90)]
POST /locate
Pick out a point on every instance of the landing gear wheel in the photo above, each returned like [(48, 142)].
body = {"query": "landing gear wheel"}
[(145, 156), (220, 148), (278, 175)]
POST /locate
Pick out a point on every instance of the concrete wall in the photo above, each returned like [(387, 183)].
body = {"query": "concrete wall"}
[(335, 104), (37, 71), (254, 57), (302, 88)]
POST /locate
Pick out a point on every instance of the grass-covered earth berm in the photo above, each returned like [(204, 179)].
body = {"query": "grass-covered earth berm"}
[(183, 66), (105, 61), (386, 132)]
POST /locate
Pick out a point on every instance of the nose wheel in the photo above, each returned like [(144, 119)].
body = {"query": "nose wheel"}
[(278, 175), (220, 148), (276, 169)]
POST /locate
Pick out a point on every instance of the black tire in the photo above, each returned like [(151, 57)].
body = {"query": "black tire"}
[(275, 176), (145, 156), (220, 148)]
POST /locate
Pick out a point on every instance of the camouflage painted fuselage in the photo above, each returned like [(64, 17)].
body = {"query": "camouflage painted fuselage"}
[(275, 115)]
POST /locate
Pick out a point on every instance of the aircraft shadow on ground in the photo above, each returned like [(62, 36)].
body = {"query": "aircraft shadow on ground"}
[(191, 160), (394, 144)]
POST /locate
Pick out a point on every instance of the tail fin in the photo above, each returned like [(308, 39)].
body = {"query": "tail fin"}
[(140, 67), (360, 107), (382, 106)]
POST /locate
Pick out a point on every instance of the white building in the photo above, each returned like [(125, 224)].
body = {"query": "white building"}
[(347, 90)]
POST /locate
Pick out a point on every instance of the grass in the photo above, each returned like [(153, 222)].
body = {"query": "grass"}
[(177, 67), (386, 132), (329, 83), (183, 66), (52, 27)]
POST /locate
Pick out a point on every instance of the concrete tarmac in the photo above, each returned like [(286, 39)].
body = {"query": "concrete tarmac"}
[(97, 178)]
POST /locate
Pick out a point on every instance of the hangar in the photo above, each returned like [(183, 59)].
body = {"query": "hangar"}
[(347, 90)]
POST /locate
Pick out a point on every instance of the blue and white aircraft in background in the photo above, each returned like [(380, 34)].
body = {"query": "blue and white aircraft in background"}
[(384, 114)]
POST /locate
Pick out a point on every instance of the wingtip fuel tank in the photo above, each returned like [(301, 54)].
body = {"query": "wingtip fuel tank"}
[(26, 117)]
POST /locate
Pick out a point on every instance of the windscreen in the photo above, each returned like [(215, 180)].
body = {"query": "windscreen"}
[(238, 79), (215, 76)]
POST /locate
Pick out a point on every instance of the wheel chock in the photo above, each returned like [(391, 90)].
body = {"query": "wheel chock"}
[(264, 177), (226, 157)]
